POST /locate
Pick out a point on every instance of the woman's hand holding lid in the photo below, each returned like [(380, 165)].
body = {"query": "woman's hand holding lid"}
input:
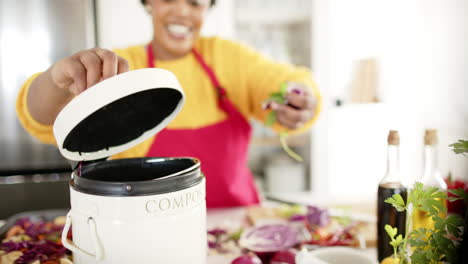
[(86, 68)]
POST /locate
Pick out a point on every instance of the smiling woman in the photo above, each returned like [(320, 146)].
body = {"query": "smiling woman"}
[(176, 24), (225, 84)]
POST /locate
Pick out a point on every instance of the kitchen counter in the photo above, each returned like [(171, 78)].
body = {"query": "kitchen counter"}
[(234, 218)]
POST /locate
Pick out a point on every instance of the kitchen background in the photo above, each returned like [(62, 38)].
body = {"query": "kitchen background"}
[(380, 65)]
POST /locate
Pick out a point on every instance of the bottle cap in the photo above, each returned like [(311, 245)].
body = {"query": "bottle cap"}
[(393, 138), (430, 137)]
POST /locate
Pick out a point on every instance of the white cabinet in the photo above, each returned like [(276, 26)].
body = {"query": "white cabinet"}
[(280, 29)]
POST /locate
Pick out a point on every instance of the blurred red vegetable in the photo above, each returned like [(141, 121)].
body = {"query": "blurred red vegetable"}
[(456, 207), (284, 257), (247, 259)]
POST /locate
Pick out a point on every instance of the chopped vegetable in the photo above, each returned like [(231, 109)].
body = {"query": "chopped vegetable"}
[(317, 217), (298, 218), (247, 259), (319, 228), (220, 241), (269, 238), (38, 242), (288, 211), (10, 257), (284, 257), (217, 231)]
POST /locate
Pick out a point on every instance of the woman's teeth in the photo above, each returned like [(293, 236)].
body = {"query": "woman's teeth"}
[(178, 30)]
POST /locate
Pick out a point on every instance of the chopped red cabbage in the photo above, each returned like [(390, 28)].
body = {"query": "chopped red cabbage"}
[(317, 217), (212, 244), (269, 238), (297, 218), (44, 245), (217, 231)]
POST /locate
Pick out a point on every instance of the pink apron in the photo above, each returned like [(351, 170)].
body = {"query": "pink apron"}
[(222, 149)]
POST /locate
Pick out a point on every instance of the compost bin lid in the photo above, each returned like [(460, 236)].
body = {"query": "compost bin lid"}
[(117, 114)]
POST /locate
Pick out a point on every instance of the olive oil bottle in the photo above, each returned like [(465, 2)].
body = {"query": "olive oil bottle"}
[(390, 184), (431, 177)]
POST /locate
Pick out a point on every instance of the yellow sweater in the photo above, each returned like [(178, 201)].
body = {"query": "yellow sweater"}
[(248, 77)]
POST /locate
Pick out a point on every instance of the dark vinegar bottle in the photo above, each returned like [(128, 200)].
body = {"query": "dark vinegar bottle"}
[(390, 184)]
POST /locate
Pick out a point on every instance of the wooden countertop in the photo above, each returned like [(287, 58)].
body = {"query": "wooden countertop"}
[(236, 217)]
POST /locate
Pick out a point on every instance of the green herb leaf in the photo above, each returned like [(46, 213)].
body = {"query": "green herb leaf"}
[(284, 88), (417, 243), (394, 243), (429, 207), (453, 199), (392, 232), (236, 236), (451, 254), (418, 238), (397, 201), (415, 193), (439, 223), (419, 257), (399, 239), (270, 118), (278, 98), (429, 200), (460, 193), (461, 147), (420, 232), (454, 224), (439, 245)]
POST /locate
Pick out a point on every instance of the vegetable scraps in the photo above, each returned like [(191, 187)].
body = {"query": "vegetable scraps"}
[(33, 242), (247, 259), (269, 238), (430, 245), (284, 257), (222, 242), (280, 97)]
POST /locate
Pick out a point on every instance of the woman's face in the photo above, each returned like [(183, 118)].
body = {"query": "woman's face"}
[(177, 25)]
